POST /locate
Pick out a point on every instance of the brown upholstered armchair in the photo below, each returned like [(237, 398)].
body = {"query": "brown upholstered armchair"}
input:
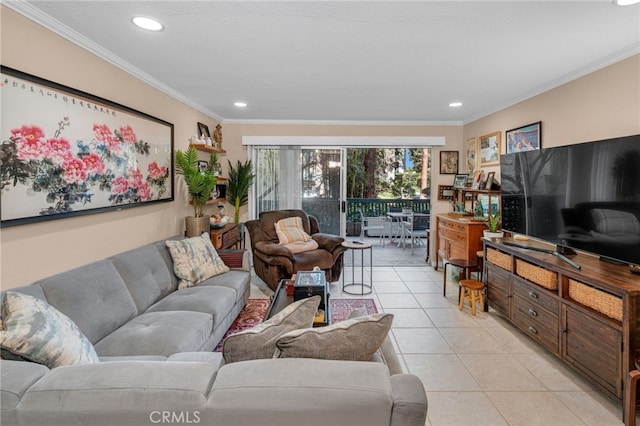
[(274, 262)]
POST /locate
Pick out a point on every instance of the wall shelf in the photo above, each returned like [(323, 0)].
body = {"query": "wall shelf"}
[(207, 148)]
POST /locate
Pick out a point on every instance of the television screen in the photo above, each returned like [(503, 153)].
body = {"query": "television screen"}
[(584, 196)]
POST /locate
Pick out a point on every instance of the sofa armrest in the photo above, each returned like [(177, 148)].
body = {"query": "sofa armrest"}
[(235, 258), (409, 400), (273, 249), (329, 242)]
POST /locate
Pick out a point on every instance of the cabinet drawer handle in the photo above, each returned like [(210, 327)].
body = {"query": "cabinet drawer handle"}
[(533, 295), (533, 312), (533, 330)]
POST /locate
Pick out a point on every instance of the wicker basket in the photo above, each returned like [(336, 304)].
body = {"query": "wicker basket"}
[(598, 300), (537, 275), (499, 259)]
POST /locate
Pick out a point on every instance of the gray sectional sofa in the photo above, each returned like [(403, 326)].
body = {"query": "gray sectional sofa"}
[(157, 366)]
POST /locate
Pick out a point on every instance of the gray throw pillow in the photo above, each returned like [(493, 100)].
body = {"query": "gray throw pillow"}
[(356, 339), (34, 330), (259, 342)]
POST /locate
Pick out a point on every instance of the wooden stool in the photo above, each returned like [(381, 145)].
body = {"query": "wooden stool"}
[(472, 291), (480, 256)]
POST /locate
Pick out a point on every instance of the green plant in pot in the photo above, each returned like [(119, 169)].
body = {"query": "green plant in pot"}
[(200, 183), (493, 223), (239, 180)]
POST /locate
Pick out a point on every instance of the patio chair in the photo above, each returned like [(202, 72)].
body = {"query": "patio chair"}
[(415, 228), (372, 224)]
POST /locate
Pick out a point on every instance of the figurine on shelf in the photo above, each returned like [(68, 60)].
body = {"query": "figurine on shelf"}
[(217, 136), (478, 211)]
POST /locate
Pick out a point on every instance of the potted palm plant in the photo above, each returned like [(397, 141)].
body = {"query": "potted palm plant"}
[(493, 223), (238, 182), (200, 183)]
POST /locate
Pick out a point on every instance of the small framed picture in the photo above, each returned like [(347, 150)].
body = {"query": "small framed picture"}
[(477, 180), (202, 166), (448, 162), (489, 182), (460, 181), (525, 138), (203, 130), (471, 146), (490, 149), (445, 192)]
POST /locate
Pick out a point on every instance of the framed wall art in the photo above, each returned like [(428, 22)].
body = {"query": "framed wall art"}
[(525, 138), (203, 131), (460, 181), (68, 153), (490, 149), (471, 147), (445, 192), (448, 162)]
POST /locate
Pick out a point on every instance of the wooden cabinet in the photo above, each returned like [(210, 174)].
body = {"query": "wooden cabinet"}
[(225, 237), (458, 238), (590, 318)]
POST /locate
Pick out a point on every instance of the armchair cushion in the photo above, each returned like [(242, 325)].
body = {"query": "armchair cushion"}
[(195, 260), (290, 230), (302, 246)]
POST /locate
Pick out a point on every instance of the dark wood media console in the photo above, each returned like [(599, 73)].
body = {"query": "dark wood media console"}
[(588, 317)]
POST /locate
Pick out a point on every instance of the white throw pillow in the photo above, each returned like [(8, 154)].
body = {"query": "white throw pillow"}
[(290, 230), (195, 260)]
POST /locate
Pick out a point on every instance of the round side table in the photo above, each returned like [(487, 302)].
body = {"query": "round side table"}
[(364, 287)]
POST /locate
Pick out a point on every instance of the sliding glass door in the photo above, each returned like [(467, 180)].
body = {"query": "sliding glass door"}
[(310, 179)]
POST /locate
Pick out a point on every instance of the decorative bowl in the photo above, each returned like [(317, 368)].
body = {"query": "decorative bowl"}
[(220, 224)]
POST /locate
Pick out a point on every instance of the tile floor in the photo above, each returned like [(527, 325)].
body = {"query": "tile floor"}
[(476, 370)]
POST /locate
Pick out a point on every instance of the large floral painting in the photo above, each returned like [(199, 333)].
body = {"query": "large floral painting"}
[(65, 152)]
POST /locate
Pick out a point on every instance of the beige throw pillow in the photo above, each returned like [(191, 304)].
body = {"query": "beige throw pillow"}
[(259, 342), (355, 339), (290, 230), (195, 260)]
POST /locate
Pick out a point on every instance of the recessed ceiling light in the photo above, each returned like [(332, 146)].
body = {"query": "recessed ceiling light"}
[(455, 104), (147, 23), (240, 104), (625, 2)]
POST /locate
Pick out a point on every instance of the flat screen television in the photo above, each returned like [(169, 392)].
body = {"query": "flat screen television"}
[(584, 196)]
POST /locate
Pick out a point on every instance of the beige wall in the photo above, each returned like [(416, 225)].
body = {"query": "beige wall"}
[(33, 251), (601, 105)]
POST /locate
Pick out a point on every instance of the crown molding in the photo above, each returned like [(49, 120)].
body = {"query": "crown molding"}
[(342, 122), (36, 15)]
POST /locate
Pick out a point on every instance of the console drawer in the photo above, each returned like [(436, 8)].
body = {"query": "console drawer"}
[(535, 294), (536, 322)]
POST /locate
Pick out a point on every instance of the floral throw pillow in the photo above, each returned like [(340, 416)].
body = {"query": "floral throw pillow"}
[(195, 260), (34, 330)]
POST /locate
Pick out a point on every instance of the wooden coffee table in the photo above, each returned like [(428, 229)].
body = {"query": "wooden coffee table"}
[(280, 300)]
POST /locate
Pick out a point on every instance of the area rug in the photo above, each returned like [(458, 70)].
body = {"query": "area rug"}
[(255, 309)]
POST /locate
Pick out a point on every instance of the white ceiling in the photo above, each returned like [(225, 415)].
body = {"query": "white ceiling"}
[(352, 61)]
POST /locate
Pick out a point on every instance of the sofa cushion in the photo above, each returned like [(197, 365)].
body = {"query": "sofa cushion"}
[(356, 339), (16, 377), (195, 260), (93, 296), (158, 333), (145, 274), (259, 341), (290, 230), (608, 221), (237, 280), (35, 330), (214, 300), (302, 246)]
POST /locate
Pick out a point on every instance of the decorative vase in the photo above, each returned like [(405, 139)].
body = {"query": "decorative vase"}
[(196, 225), (489, 234)]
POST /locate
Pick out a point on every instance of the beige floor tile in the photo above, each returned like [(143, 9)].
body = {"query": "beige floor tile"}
[(424, 287), (390, 301), (533, 408), (592, 407), (433, 300), (421, 341), (386, 276), (441, 373), (470, 341), (500, 372), (412, 275), (450, 317), (410, 318), (513, 341), (462, 408), (552, 373), (390, 287)]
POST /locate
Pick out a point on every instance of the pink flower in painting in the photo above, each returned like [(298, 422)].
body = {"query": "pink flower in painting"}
[(155, 171), (104, 135), (29, 142), (135, 178), (93, 163), (57, 149), (74, 170), (127, 135), (144, 191), (119, 185)]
